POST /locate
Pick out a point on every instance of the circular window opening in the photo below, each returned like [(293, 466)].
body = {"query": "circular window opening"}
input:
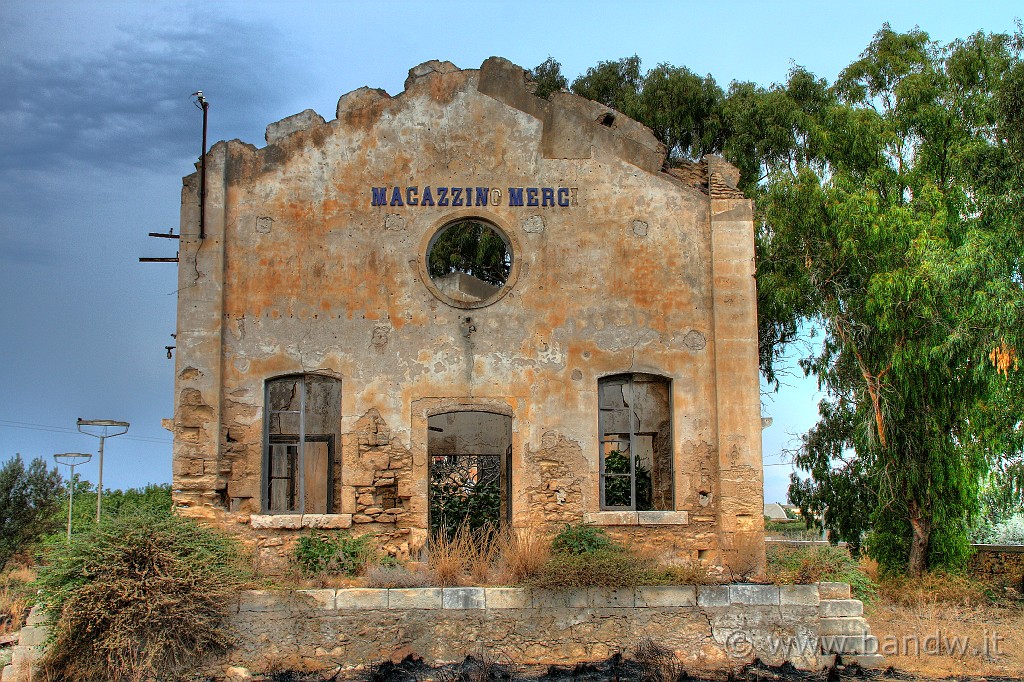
[(469, 262)]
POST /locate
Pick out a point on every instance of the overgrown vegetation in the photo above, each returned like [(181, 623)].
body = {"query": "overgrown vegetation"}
[(140, 596), (1008, 531), (585, 556), (823, 563), (791, 530), (337, 553)]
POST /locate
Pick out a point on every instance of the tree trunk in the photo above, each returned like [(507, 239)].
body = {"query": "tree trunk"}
[(917, 563)]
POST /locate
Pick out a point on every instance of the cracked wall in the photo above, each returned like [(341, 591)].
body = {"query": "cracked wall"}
[(642, 270)]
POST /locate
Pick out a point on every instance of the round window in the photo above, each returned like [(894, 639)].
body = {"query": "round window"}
[(469, 262)]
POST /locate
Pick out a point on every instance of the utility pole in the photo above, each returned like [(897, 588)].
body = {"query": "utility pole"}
[(71, 459), (104, 427)]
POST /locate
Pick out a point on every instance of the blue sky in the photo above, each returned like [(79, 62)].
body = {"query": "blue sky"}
[(98, 130)]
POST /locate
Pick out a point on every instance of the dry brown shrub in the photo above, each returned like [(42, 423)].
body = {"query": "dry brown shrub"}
[(139, 596), (658, 663)]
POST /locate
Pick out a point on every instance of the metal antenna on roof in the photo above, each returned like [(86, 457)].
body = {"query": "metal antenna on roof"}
[(201, 103)]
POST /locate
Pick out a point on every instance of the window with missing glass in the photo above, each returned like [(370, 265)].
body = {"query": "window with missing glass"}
[(302, 423), (635, 420)]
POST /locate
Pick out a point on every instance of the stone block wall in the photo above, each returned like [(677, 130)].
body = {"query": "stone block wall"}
[(31, 639), (709, 627), (999, 563)]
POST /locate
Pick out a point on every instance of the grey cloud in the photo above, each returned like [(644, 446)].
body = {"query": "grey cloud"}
[(128, 104)]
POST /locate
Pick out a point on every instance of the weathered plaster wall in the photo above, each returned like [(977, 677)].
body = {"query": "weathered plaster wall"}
[(647, 271)]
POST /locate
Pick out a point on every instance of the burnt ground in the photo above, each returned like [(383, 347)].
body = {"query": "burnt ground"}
[(617, 668)]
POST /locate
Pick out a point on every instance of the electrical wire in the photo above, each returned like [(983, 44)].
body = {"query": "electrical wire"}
[(61, 429)]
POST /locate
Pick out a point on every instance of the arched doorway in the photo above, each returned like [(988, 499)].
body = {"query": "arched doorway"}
[(469, 455)]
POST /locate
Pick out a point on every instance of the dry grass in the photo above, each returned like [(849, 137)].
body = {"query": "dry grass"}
[(463, 557), (523, 554), (399, 576), (935, 639), (935, 588), (15, 597), (942, 625)]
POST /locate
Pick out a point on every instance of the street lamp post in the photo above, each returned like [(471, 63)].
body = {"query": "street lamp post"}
[(104, 427), (71, 460)]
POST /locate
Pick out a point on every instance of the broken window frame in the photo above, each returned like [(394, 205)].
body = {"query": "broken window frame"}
[(631, 440), (297, 469)]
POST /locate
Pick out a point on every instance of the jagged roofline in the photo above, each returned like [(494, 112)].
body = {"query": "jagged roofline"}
[(572, 125)]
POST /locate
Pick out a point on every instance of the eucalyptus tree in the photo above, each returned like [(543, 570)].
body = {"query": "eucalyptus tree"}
[(892, 232)]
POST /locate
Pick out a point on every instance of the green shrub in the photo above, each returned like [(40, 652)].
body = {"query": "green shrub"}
[(140, 596), (581, 539), (824, 563), (596, 568), (337, 553)]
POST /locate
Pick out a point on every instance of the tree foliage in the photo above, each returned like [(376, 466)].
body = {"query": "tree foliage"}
[(472, 247), (548, 78), (29, 500), (154, 499), (891, 238)]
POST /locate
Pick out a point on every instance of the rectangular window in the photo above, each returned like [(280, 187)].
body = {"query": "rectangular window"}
[(303, 415), (635, 419)]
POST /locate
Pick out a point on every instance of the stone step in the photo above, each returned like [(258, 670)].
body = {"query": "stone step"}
[(33, 635), (833, 591), (848, 644), (866, 660), (835, 608), (37, 616), (842, 626)]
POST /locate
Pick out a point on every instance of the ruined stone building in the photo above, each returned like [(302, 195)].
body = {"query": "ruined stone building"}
[(465, 289)]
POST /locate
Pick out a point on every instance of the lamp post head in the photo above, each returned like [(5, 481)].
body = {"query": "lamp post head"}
[(72, 459), (104, 425)]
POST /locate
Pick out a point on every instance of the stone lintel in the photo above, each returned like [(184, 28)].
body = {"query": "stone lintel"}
[(632, 518), (296, 521)]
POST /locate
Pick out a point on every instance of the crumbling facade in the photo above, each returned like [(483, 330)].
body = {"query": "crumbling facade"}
[(461, 287)]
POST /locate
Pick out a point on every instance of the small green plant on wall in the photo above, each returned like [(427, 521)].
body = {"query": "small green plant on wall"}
[(335, 553)]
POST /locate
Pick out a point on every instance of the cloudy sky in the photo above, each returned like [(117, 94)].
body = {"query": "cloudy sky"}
[(98, 128)]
